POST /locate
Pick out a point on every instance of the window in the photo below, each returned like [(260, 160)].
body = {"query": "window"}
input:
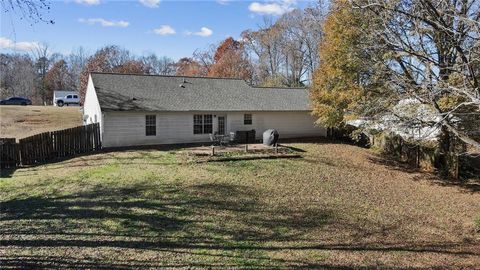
[(247, 119), (202, 124), (69, 96), (150, 125), (75, 96), (197, 124), (207, 124)]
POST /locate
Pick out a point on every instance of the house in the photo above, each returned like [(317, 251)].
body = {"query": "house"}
[(152, 109), (422, 125)]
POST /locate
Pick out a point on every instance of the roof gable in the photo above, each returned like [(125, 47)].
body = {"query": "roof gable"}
[(122, 92)]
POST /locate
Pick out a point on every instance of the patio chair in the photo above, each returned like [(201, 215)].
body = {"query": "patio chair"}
[(232, 138), (225, 140), (213, 139)]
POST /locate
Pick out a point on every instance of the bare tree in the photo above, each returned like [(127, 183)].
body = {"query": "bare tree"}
[(41, 55), (206, 58), (43, 60), (433, 58), (286, 50), (265, 44), (111, 59), (18, 75), (159, 65), (76, 60), (31, 10)]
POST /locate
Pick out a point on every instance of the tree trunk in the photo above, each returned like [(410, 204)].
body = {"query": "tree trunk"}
[(444, 145)]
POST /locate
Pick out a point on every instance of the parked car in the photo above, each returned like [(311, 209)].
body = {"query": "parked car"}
[(72, 99), (16, 101)]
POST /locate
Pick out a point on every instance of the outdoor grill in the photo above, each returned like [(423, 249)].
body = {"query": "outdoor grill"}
[(270, 137)]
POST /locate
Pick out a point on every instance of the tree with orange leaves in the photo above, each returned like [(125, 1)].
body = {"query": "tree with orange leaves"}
[(230, 61), (189, 67)]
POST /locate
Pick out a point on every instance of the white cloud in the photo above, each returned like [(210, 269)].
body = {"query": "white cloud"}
[(204, 32), (223, 2), (164, 30), (88, 2), (277, 7), (6, 43), (150, 3), (104, 23)]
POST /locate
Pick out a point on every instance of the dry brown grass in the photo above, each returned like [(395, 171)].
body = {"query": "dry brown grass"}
[(23, 121), (339, 207)]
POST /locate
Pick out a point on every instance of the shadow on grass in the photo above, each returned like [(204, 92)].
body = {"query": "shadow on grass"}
[(89, 159), (7, 172), (165, 218), (138, 158), (207, 226), (469, 185), (103, 154), (292, 148)]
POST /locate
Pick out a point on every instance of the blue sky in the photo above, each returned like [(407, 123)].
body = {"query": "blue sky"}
[(171, 28)]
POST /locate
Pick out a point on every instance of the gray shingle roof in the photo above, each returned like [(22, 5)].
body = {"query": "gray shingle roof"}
[(121, 92)]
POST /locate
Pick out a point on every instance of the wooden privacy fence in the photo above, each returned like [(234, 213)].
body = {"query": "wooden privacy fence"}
[(429, 157), (49, 146), (9, 155), (413, 154)]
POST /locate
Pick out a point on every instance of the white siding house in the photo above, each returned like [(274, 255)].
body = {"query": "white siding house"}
[(149, 110), (92, 113)]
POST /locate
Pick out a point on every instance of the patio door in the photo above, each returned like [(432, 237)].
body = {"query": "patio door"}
[(221, 127)]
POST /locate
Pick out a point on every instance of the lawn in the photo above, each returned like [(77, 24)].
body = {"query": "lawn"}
[(23, 121), (337, 207)]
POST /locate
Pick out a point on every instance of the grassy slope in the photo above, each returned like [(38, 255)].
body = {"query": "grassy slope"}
[(23, 121), (337, 207)]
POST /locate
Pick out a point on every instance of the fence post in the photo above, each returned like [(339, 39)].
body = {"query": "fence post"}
[(457, 165), (418, 156), (9, 156)]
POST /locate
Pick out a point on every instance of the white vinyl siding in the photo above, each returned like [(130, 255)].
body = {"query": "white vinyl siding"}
[(288, 124), (91, 108), (128, 128)]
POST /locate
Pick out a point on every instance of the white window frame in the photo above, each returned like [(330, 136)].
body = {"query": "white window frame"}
[(247, 119), (150, 123), (205, 122)]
